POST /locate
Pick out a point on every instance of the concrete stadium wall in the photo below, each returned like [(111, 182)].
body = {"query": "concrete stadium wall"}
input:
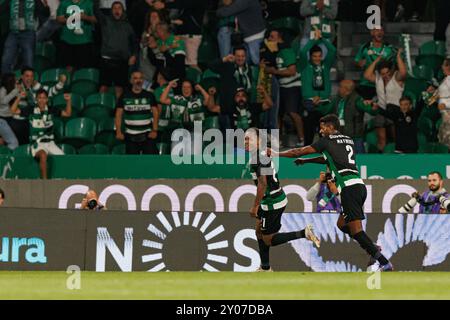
[(51, 239), (216, 195)]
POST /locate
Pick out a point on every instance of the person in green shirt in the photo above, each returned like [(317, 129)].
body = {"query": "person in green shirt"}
[(350, 108), (165, 126), (76, 38), (316, 83), (367, 54), (173, 48)]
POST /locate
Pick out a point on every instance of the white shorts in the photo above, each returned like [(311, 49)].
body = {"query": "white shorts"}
[(49, 147)]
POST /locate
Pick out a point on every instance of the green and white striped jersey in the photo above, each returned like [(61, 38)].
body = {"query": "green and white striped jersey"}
[(41, 125), (285, 58), (138, 113), (274, 196), (339, 152)]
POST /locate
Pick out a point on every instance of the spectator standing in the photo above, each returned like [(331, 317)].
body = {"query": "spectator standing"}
[(324, 192), (9, 91), (50, 26), (139, 111), (164, 110), (390, 84), (319, 15), (444, 104), (106, 5), (316, 83), (246, 114), (22, 34), (350, 108), (26, 101), (405, 120), (76, 43), (41, 128), (225, 27), (173, 49), (189, 25), (234, 73), (289, 82), (118, 50), (251, 23), (367, 54)]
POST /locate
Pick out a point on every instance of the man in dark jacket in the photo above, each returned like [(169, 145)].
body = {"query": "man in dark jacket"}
[(118, 50), (350, 108), (251, 23)]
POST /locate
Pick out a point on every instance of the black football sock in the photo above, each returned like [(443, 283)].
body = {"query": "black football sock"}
[(264, 254), (368, 245), (345, 229), (281, 238)]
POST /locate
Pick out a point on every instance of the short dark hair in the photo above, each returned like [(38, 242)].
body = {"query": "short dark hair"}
[(314, 49), (436, 172), (239, 48), (384, 64), (406, 98), (25, 69), (2, 194), (279, 31), (41, 91), (331, 119)]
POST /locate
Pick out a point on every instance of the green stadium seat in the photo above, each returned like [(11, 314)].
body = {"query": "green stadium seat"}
[(433, 47), (415, 86), (59, 102), (94, 149), (99, 106), (164, 148), (22, 150), (119, 149), (193, 74), (106, 133), (423, 142), (50, 77), (439, 148), (425, 126), (85, 82), (211, 123), (208, 73), (79, 132), (67, 148), (4, 150), (423, 72), (372, 141), (44, 56), (58, 128)]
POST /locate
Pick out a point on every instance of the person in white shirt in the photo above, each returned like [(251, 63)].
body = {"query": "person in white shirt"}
[(444, 105), (390, 84)]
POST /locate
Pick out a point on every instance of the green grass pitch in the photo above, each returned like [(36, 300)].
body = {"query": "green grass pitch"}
[(224, 285)]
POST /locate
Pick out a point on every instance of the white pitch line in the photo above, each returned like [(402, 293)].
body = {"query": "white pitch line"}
[(207, 222), (152, 257), (214, 233), (152, 244), (218, 245), (217, 258), (164, 221)]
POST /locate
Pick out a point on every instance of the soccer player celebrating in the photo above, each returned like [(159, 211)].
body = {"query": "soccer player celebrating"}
[(339, 154), (270, 202)]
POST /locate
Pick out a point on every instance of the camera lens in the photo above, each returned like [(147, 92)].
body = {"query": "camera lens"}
[(92, 204)]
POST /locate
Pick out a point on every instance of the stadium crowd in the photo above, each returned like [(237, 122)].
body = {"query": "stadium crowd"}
[(100, 76)]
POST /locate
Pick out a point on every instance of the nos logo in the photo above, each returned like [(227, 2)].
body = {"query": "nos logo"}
[(187, 241)]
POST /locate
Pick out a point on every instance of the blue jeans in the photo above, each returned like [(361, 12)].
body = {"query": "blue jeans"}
[(25, 40), (224, 39), (47, 29), (253, 51), (8, 135)]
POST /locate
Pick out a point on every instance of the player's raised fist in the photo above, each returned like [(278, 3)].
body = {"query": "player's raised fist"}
[(299, 161)]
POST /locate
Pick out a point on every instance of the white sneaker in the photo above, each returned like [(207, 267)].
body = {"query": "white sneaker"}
[(309, 234), (262, 270)]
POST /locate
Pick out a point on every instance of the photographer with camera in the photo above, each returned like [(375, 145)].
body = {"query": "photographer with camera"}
[(90, 202), (431, 201), (325, 192)]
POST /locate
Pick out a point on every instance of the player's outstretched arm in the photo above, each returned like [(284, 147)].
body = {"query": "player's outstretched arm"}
[(293, 153), (316, 160)]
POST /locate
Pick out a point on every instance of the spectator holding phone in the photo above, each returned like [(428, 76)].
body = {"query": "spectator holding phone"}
[(325, 194)]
